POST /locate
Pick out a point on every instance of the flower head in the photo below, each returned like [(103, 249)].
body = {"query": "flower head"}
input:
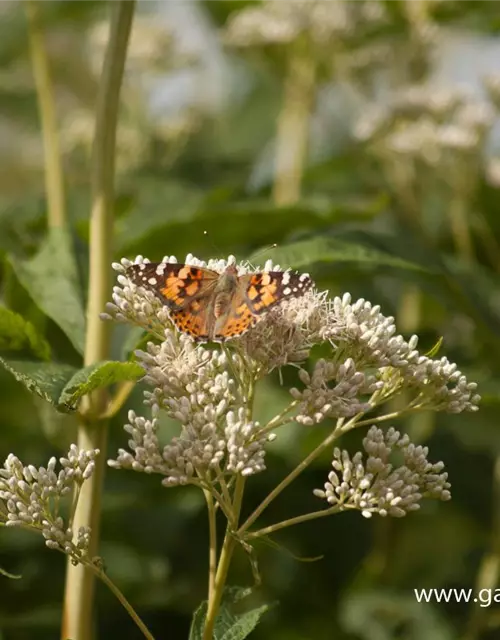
[(209, 391), (29, 497), (379, 485)]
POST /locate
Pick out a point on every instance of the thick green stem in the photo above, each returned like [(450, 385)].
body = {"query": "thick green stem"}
[(226, 554), (293, 126), (212, 552), (460, 227), (77, 618), (54, 183)]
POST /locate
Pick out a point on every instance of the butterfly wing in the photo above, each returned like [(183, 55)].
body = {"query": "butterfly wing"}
[(193, 319), (237, 320), (184, 289), (256, 294), (176, 285), (266, 289)]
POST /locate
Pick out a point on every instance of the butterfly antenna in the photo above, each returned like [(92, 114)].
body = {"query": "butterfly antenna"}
[(263, 250), (214, 246)]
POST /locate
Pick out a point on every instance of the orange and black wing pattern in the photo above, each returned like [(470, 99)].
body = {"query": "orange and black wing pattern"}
[(176, 285), (266, 289)]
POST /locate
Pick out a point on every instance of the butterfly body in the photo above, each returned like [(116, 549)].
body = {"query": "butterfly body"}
[(208, 305)]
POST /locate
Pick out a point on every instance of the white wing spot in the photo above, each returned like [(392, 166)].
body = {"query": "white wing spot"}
[(304, 276), (287, 291), (152, 281), (286, 278), (160, 269)]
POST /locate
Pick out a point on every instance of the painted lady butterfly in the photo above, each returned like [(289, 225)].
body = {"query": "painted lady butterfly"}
[(216, 306)]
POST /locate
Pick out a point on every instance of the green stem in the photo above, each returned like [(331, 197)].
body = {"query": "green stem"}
[(126, 604), (387, 416), (212, 554), (227, 550), (280, 419), (458, 213), (118, 400), (292, 521), (289, 478), (54, 183), (293, 125), (79, 589)]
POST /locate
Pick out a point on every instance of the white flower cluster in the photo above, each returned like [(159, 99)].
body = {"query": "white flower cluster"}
[(29, 497), (226, 444), (277, 23), (189, 382), (319, 401), (426, 124), (376, 485), (362, 331), (208, 390)]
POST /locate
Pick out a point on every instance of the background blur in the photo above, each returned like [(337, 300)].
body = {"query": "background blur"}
[(363, 137)]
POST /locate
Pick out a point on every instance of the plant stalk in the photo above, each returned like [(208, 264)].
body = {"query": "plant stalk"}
[(79, 591), (123, 600), (292, 138), (314, 515), (54, 182), (212, 553), (289, 478), (226, 555)]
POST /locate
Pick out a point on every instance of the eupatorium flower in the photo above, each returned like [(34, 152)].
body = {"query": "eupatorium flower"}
[(29, 497), (209, 390), (376, 484)]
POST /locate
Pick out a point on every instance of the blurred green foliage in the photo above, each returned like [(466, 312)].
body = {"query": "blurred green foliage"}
[(375, 219)]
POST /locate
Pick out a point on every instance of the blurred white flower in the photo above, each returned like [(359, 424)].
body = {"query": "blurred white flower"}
[(275, 22)]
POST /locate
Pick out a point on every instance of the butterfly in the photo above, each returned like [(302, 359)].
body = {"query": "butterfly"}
[(212, 306)]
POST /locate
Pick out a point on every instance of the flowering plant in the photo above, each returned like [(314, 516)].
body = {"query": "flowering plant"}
[(210, 391)]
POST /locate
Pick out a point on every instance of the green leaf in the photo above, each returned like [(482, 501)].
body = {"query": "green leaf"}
[(159, 205), (51, 279), (9, 575), (46, 379), (433, 351), (17, 334), (325, 249), (229, 625), (379, 615), (97, 376)]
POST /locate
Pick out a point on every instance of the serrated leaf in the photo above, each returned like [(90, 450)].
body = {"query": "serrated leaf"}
[(18, 334), (12, 576), (97, 376), (51, 279), (229, 625), (321, 249), (46, 379)]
